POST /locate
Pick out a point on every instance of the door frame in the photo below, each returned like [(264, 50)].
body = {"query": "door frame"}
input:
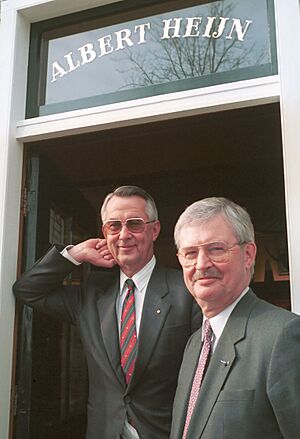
[(21, 384)]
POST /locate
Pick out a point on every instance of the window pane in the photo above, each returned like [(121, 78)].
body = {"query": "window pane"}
[(197, 46)]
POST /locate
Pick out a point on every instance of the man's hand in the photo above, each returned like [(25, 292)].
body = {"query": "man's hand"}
[(94, 251)]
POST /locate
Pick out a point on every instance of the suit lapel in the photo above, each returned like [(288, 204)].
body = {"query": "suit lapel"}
[(187, 372), (212, 384), (155, 310), (109, 326), (221, 363)]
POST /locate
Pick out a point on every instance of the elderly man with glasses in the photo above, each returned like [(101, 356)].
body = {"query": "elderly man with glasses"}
[(134, 318), (240, 376)]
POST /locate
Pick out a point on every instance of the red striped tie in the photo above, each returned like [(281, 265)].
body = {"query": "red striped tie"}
[(128, 332)]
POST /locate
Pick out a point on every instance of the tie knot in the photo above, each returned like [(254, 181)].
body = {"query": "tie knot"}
[(130, 284)]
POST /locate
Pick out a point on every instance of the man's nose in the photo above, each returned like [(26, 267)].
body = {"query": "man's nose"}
[(203, 261), (125, 232)]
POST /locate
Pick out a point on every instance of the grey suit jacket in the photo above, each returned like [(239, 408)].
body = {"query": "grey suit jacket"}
[(256, 394), (169, 317)]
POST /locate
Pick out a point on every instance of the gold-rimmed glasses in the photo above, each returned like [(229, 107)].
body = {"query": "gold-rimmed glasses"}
[(217, 251), (134, 225)]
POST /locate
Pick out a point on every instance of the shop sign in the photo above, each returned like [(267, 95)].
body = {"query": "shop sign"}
[(194, 47), (172, 28)]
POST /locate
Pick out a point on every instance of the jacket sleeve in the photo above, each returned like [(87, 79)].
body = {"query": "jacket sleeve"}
[(283, 384), (42, 287)]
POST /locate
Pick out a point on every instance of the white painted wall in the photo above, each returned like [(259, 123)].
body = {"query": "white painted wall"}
[(288, 41), (16, 16), (13, 40)]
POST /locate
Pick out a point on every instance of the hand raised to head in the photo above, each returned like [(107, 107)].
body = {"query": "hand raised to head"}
[(93, 251)]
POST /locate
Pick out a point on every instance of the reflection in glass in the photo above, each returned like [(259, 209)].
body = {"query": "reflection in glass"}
[(170, 48)]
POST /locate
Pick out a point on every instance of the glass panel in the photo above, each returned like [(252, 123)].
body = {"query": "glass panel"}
[(197, 46), (56, 228)]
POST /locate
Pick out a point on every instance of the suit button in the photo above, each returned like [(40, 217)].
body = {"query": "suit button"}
[(127, 399)]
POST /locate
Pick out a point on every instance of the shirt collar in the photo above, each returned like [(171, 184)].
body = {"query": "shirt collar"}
[(219, 321), (140, 278)]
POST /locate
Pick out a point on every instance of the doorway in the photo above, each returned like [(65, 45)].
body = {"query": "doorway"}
[(235, 154)]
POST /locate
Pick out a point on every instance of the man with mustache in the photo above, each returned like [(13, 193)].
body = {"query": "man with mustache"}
[(240, 376), (134, 319)]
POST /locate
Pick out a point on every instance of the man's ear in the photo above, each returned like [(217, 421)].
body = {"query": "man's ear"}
[(156, 230), (250, 254)]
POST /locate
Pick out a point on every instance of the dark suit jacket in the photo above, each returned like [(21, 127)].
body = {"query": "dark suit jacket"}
[(168, 319), (257, 395)]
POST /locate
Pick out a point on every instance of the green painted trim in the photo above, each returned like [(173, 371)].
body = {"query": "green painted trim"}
[(37, 61), (271, 21), (155, 90), (113, 9), (32, 107)]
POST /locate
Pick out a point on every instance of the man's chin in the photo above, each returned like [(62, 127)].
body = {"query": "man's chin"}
[(204, 291), (127, 259)]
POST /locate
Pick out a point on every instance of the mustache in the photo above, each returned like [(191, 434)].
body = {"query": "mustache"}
[(208, 273)]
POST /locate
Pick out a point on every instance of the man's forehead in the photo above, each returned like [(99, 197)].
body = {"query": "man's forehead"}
[(128, 204), (213, 229)]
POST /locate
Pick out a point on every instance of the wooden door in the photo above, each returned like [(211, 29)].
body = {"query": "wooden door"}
[(50, 385)]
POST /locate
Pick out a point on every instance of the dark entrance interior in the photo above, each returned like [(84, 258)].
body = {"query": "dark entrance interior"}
[(236, 154)]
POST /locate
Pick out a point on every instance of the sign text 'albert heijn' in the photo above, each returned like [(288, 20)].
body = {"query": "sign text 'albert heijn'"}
[(190, 27)]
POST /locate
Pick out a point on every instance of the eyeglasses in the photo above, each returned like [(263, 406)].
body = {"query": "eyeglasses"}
[(134, 225), (216, 251)]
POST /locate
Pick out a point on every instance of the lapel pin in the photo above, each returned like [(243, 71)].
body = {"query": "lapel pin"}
[(158, 311), (225, 362)]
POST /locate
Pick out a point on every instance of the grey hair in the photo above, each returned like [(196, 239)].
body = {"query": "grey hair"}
[(206, 209), (130, 191)]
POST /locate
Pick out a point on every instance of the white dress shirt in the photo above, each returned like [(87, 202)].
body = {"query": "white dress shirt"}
[(141, 280), (219, 321)]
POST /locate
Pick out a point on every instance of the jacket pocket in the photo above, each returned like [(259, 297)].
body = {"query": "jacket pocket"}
[(236, 395)]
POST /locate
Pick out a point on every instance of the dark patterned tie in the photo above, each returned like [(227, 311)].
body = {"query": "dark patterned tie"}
[(203, 361), (128, 337)]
